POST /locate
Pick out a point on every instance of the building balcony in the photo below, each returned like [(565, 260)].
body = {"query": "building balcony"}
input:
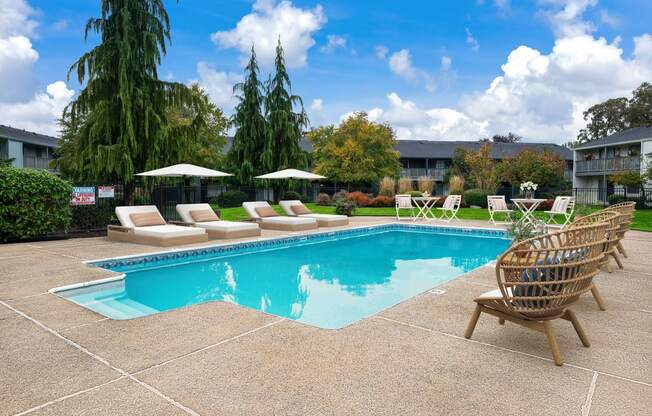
[(611, 165), (416, 173), (36, 162)]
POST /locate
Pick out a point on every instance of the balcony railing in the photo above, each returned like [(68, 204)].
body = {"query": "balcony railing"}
[(36, 162), (416, 173), (616, 164)]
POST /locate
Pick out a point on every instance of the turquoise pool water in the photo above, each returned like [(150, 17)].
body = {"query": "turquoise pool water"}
[(329, 281)]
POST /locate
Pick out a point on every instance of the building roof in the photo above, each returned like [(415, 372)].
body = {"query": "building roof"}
[(630, 135), (25, 136), (421, 149)]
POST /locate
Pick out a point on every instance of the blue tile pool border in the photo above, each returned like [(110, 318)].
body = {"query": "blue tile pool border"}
[(273, 242)]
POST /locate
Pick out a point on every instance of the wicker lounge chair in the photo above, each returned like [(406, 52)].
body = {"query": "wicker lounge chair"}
[(403, 202), (295, 208), (262, 213), (496, 205), (609, 248), (450, 208), (143, 224), (538, 279), (563, 206), (199, 215), (627, 209)]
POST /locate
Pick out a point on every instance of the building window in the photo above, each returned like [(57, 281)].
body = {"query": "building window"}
[(4, 149)]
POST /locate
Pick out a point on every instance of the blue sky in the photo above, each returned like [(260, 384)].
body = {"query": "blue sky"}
[(423, 66)]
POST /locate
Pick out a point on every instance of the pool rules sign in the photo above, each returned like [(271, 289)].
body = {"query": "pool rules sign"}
[(83, 195)]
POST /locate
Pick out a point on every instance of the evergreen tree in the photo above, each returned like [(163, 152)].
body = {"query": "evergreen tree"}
[(123, 109), (252, 131), (285, 125)]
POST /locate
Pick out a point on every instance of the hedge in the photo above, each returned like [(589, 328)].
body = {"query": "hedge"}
[(32, 203), (475, 197)]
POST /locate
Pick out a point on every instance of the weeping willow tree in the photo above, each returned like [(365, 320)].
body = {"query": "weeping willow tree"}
[(282, 150), (122, 115), (252, 133)]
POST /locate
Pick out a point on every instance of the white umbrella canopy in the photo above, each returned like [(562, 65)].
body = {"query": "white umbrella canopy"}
[(291, 174), (184, 169)]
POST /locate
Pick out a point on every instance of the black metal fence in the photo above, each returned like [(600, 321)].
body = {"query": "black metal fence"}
[(93, 217)]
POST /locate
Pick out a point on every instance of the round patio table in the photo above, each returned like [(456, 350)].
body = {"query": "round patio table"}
[(425, 204), (527, 207)]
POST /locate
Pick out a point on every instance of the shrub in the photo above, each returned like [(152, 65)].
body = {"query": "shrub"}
[(360, 198), (323, 199), (291, 196), (382, 201), (89, 217), (387, 187), (229, 199), (426, 184), (304, 198), (475, 197), (456, 185), (546, 205), (344, 206), (32, 203), (404, 185), (415, 194), (341, 194)]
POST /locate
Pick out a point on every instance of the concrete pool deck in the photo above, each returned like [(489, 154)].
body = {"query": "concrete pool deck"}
[(58, 358)]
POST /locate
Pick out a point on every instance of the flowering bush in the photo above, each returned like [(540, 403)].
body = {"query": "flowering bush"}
[(382, 201), (323, 199), (361, 199)]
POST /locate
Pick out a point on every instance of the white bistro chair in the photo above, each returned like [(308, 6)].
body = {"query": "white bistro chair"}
[(564, 206), (450, 208), (496, 205), (403, 202)]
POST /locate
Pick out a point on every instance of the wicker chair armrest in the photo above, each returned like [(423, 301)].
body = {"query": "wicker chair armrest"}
[(118, 228)]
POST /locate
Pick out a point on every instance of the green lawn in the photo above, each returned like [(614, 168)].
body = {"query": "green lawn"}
[(642, 218)]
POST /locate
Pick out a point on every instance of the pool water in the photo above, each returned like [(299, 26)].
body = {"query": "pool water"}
[(329, 283)]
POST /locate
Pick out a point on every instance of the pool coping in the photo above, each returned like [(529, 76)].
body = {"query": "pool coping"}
[(260, 241)]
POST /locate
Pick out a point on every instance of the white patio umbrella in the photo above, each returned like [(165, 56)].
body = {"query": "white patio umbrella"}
[(184, 170), (291, 174)]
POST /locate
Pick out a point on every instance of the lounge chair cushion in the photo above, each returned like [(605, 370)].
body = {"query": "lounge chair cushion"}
[(326, 217), (167, 231), (146, 219), (227, 225), (300, 209), (266, 212), (289, 220), (204, 215)]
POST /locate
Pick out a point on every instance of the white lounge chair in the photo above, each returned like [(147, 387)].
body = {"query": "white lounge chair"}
[(143, 224), (295, 208), (496, 205), (563, 205), (203, 216), (403, 202), (450, 208), (264, 215)]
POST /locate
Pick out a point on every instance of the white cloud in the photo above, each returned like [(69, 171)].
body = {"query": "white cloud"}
[(22, 105), (502, 4), (381, 51), (446, 63), (16, 19), (567, 21), (41, 112), (400, 63), (412, 122), (334, 42), (263, 26), (60, 25), (317, 104), (609, 19), (471, 41), (218, 85)]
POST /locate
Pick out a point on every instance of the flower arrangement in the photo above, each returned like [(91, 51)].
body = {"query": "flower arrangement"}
[(528, 188)]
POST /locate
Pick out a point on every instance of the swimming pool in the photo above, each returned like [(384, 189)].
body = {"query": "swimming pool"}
[(329, 280)]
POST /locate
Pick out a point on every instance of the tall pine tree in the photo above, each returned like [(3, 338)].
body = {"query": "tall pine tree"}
[(285, 125), (123, 109), (252, 133)]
